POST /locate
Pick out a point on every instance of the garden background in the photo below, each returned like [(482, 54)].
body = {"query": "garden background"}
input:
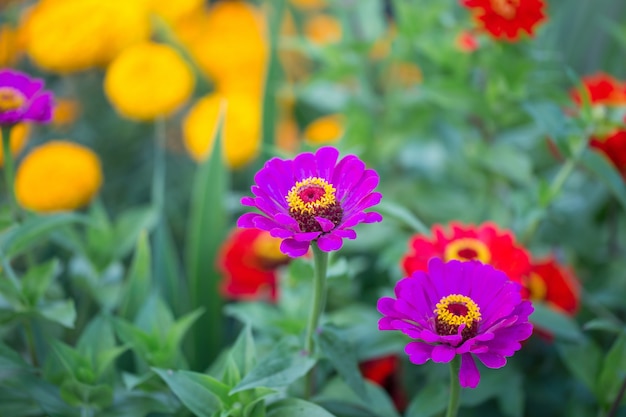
[(127, 289)]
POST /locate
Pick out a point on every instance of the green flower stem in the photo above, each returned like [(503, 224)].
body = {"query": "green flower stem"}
[(320, 259), (158, 175), (455, 387), (555, 188), (9, 169)]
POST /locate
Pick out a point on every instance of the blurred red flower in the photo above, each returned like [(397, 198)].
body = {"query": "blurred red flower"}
[(601, 89), (507, 19), (384, 371), (248, 260), (486, 243), (554, 284)]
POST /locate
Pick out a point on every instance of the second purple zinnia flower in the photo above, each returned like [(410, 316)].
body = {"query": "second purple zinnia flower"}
[(459, 308), (23, 99), (312, 198)]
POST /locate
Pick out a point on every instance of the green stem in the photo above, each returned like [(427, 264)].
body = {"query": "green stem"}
[(320, 260), (30, 342), (9, 169), (555, 188), (455, 387), (158, 175)]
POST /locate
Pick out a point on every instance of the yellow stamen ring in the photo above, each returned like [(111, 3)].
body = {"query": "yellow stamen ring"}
[(310, 195), (456, 309), (505, 8), (267, 248), (11, 99), (467, 249)]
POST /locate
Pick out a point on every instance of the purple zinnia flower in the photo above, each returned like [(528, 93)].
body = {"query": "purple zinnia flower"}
[(313, 197), (23, 99), (459, 308)]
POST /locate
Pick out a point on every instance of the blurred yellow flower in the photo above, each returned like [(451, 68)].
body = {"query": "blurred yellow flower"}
[(148, 80), (326, 129), (9, 45), (173, 10), (73, 35), (58, 176), (19, 137), (309, 4), (287, 133), (65, 112), (322, 30), (405, 74), (241, 130), (229, 45)]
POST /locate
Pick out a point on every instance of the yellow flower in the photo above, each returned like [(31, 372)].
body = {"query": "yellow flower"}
[(404, 74), (58, 176), (322, 30), (241, 130), (73, 35), (19, 137), (287, 133), (9, 45), (326, 129), (174, 10), (148, 80), (230, 46)]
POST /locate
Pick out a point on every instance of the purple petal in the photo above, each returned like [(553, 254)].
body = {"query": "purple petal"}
[(40, 109), (329, 242), (281, 233), (372, 217), (386, 305), (306, 237), (419, 353), (247, 220), (356, 192), (326, 161), (443, 354), (469, 377), (287, 221), (347, 174), (345, 233), (293, 248), (325, 224), (305, 166), (491, 360)]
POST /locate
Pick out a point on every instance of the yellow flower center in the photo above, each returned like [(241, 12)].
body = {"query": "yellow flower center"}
[(311, 195), (456, 309), (267, 248), (467, 249), (537, 288), (11, 99), (505, 8)]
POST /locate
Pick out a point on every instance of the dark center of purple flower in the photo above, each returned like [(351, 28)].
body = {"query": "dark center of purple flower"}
[(310, 198), (11, 99)]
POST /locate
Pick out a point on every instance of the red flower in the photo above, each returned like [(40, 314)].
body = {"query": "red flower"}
[(466, 42), (507, 19), (614, 147), (555, 284), (485, 243), (384, 371), (600, 89), (248, 260)]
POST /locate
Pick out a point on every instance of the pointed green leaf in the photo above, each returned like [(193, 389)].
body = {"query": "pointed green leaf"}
[(291, 407), (177, 330), (198, 392), (97, 336), (130, 226), (603, 168), (429, 401), (37, 280), (208, 219), (10, 359), (255, 409), (335, 347), (561, 326), (336, 392), (283, 365), (137, 285), (613, 372), (62, 312), (166, 269), (243, 351), (76, 393)]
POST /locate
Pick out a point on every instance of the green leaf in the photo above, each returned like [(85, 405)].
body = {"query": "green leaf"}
[(166, 269), (137, 285), (429, 401), (602, 167), (243, 351), (561, 326), (129, 227), (390, 209), (613, 372), (76, 393), (255, 409), (200, 393), (283, 365), (582, 359), (62, 312), (291, 407), (37, 280), (9, 359), (17, 239), (603, 324), (335, 347), (177, 331), (208, 219)]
